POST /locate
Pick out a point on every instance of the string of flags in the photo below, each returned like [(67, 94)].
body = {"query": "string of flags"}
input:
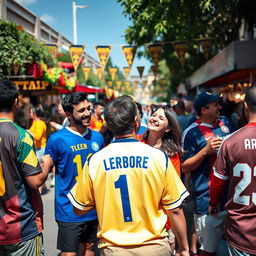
[(129, 51)]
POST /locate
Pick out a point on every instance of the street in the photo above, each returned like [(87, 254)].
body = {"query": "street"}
[(50, 226)]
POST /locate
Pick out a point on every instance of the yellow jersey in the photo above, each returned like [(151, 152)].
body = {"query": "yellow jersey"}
[(38, 130), (130, 184)]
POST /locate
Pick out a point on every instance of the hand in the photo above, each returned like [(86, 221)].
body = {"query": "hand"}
[(182, 253), (213, 210), (213, 145)]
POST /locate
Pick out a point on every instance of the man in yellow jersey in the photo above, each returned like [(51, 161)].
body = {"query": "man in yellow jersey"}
[(133, 187)]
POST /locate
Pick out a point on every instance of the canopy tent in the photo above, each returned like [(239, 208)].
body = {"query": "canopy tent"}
[(82, 88), (235, 63)]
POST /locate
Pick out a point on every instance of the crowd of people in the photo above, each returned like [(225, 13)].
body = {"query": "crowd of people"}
[(124, 173)]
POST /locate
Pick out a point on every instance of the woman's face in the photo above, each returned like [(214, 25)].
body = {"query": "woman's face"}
[(158, 121)]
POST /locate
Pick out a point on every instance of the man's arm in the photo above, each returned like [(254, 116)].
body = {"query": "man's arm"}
[(36, 180), (178, 225), (194, 162), (217, 186)]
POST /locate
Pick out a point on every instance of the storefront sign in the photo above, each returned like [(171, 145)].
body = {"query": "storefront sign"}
[(32, 85)]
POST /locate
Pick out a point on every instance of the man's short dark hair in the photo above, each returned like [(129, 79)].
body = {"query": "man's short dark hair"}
[(98, 103), (250, 98), (139, 108), (72, 99), (120, 115), (8, 94)]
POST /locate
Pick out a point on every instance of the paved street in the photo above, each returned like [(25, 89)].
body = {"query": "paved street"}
[(50, 226)]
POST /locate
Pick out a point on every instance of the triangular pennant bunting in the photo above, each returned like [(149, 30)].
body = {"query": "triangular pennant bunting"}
[(155, 51), (76, 52), (140, 70), (129, 52), (181, 48), (53, 48), (99, 72), (126, 72), (86, 72), (112, 72), (103, 52)]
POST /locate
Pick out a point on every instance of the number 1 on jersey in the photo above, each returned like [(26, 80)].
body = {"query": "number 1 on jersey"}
[(122, 184)]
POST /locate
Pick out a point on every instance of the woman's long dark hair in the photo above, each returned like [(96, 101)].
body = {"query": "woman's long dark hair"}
[(171, 141)]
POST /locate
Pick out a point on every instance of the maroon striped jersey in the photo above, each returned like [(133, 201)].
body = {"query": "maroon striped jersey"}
[(236, 162)]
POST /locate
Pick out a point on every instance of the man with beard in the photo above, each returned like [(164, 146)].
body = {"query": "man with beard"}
[(67, 150), (201, 141)]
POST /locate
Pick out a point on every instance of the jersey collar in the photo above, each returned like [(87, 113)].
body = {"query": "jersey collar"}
[(125, 140), (251, 124), (77, 133)]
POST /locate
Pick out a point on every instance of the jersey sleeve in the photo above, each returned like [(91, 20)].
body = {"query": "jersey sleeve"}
[(174, 190), (51, 149), (26, 155), (81, 195), (220, 167), (189, 146)]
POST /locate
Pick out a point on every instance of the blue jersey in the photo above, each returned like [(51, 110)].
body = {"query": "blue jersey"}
[(195, 138), (69, 151)]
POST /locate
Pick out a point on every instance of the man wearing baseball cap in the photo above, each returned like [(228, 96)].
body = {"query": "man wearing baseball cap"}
[(201, 141)]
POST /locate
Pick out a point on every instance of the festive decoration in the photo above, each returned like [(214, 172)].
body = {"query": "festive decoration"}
[(129, 52), (181, 48), (99, 73), (76, 52), (103, 52), (205, 43), (112, 72), (140, 70), (86, 71), (118, 84), (155, 51), (154, 70), (126, 72), (53, 49)]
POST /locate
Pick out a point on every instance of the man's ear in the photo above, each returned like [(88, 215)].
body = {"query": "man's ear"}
[(136, 124), (16, 103), (68, 115), (246, 106)]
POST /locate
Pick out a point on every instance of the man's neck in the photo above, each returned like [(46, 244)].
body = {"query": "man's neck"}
[(78, 129), (207, 120), (126, 136), (4, 115)]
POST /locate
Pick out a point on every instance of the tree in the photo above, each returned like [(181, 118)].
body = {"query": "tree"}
[(179, 20)]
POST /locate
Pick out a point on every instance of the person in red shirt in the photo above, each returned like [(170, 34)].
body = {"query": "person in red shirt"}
[(164, 133), (235, 166)]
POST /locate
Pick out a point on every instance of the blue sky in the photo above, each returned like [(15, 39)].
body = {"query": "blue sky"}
[(101, 24)]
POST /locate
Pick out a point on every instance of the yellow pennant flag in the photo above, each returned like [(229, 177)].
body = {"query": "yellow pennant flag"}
[(126, 72), (144, 83), (112, 72), (181, 48), (136, 83), (205, 43), (76, 52), (103, 52), (129, 52), (140, 70), (155, 51), (86, 72), (52, 48), (99, 73), (154, 70), (127, 84), (118, 83), (110, 83)]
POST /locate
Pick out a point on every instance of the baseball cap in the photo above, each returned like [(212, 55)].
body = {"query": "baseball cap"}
[(205, 98)]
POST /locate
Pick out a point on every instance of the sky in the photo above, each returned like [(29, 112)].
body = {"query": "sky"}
[(101, 24)]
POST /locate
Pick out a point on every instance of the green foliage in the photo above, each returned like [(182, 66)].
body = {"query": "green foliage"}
[(178, 20), (17, 47)]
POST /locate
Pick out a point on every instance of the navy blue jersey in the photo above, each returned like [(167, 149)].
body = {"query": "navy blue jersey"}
[(69, 151), (195, 138)]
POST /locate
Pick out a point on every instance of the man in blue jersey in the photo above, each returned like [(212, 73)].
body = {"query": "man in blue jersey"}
[(67, 150), (201, 140)]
